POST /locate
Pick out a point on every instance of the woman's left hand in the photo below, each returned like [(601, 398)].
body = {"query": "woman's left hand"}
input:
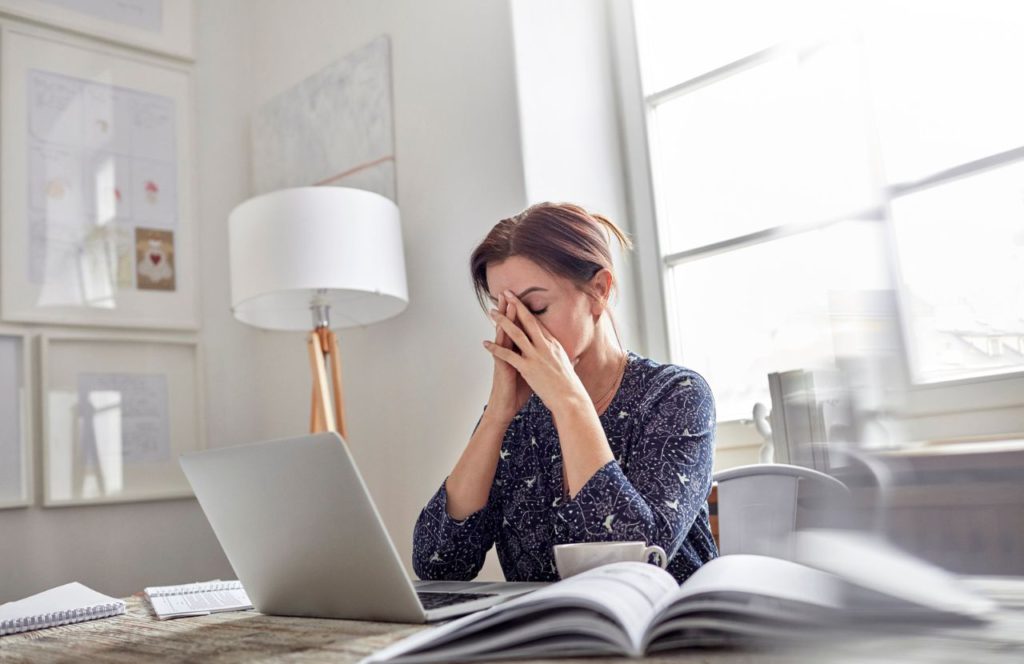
[(542, 362)]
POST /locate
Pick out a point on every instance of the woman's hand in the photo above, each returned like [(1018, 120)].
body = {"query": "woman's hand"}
[(541, 360), (509, 390)]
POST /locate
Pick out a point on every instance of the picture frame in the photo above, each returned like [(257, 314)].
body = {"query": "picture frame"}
[(165, 27), (16, 435), (117, 412), (98, 209)]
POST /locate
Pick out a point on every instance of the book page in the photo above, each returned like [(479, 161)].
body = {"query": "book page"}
[(740, 592), (764, 576), (872, 563), (625, 593), (628, 592)]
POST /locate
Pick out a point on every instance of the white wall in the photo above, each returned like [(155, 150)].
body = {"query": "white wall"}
[(120, 549), (414, 385), (571, 145)]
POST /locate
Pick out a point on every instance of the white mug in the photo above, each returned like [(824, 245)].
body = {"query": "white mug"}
[(581, 556)]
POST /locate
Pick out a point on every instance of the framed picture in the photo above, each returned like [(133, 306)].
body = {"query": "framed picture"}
[(117, 413), (162, 26), (333, 128), (15, 421), (97, 209)]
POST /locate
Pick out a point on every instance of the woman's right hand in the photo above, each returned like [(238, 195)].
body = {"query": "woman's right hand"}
[(509, 391)]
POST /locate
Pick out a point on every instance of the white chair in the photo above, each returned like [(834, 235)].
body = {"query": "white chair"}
[(758, 505)]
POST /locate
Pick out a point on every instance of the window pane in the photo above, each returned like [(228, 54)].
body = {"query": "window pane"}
[(946, 84), (681, 39), (961, 256), (782, 142), (790, 303)]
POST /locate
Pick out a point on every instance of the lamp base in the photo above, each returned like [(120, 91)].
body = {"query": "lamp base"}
[(327, 412)]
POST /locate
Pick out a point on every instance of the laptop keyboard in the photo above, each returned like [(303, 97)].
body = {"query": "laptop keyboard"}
[(431, 600)]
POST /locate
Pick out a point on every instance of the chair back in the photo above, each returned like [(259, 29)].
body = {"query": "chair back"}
[(757, 506)]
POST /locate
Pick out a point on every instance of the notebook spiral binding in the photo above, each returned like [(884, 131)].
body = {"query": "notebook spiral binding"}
[(57, 618), (202, 587)]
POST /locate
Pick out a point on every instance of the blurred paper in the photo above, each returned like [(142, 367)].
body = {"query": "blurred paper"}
[(872, 564), (123, 416)]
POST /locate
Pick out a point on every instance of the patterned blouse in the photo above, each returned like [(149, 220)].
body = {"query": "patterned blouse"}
[(661, 429)]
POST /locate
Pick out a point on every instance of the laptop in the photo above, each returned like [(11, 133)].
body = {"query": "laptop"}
[(299, 528)]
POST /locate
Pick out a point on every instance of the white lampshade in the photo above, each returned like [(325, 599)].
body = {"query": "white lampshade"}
[(287, 245)]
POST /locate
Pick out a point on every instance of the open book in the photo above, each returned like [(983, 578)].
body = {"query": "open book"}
[(633, 609)]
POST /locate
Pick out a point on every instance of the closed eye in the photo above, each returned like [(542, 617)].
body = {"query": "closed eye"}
[(538, 313)]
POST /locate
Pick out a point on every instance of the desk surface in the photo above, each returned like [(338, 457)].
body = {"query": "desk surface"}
[(247, 636), (240, 636)]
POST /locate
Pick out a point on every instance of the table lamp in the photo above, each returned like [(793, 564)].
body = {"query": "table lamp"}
[(317, 258)]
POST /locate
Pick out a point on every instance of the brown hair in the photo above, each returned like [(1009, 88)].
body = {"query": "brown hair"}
[(563, 239)]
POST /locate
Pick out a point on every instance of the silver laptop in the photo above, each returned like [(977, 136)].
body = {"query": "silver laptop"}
[(299, 528)]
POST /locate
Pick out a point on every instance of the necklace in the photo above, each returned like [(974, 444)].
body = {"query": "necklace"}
[(615, 382)]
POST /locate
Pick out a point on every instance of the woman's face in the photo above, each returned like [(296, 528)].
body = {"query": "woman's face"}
[(566, 312)]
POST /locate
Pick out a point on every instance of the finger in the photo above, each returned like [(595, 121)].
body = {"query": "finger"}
[(515, 359), (510, 313), (544, 330), (514, 332), (500, 337), (530, 322)]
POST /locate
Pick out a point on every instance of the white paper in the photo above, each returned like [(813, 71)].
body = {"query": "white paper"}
[(99, 156), (626, 592), (873, 563), (123, 417), (55, 107)]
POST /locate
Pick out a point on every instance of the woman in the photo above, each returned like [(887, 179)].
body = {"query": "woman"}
[(580, 440)]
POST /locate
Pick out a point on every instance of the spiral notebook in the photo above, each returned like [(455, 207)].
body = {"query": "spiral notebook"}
[(70, 603), (197, 599)]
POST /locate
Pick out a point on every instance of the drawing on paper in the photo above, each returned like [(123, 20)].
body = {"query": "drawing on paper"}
[(154, 256), (122, 418), (333, 128), (102, 164)]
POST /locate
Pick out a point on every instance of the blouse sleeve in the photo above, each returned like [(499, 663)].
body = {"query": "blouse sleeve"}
[(669, 472), (450, 549)]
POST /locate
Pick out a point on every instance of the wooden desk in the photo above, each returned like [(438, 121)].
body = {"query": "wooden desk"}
[(247, 636)]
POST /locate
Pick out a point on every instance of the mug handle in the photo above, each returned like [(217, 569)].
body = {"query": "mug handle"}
[(658, 551)]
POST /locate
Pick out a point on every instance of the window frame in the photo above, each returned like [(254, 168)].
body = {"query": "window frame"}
[(952, 409)]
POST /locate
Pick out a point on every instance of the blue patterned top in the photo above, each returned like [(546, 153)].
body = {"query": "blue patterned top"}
[(661, 429)]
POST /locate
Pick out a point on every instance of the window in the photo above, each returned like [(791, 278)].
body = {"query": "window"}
[(836, 180)]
